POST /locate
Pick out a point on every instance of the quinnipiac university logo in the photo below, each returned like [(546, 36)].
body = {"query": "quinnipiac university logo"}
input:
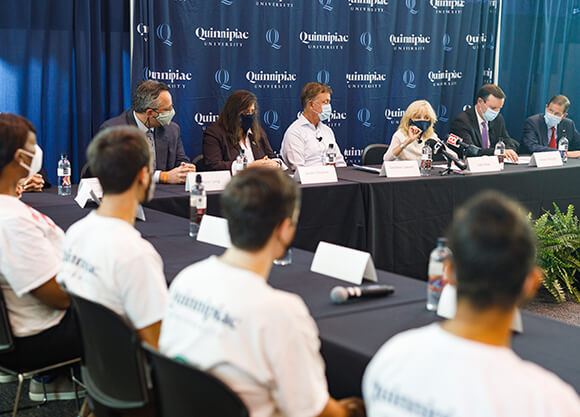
[(368, 6), (275, 4), (412, 6), (323, 77), (222, 78), (442, 113), (447, 6), (365, 79), (394, 116), (366, 40), (477, 41), (220, 38), (364, 117), (271, 119), (410, 42), (444, 78), (271, 80), (315, 40), (409, 79), (205, 119), (163, 33), (174, 78), (273, 37)]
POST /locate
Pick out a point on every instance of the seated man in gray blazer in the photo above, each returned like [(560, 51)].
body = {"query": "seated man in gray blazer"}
[(152, 111), (543, 131)]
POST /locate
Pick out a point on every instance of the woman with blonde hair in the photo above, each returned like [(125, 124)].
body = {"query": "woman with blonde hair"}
[(416, 126)]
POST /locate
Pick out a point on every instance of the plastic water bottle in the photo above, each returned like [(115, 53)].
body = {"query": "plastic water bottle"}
[(436, 261), (63, 173), (197, 206), (241, 161), (426, 160), (500, 152), (563, 148), (330, 155)]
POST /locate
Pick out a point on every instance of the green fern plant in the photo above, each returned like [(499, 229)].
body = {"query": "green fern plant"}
[(559, 252)]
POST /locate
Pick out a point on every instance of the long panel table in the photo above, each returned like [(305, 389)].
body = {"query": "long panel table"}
[(350, 333)]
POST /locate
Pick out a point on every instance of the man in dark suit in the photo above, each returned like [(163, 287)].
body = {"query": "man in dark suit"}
[(152, 111), (483, 126), (543, 131)]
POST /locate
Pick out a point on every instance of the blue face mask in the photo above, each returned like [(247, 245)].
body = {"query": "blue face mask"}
[(424, 125), (326, 112), (490, 115), (246, 121), (551, 120)]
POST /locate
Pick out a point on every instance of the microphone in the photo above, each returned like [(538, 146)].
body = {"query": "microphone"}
[(319, 139), (467, 148), (439, 147), (340, 295)]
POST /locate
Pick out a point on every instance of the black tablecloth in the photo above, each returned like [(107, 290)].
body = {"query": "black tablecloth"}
[(330, 212), (405, 216)]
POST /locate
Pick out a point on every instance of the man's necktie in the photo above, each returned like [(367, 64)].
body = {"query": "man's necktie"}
[(484, 136), (553, 139), (152, 143)]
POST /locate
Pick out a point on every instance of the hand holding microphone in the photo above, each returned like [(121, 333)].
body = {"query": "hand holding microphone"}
[(340, 295)]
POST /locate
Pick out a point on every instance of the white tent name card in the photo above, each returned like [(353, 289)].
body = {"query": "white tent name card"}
[(214, 230), (545, 159), (400, 169), (211, 180), (343, 263), (89, 190), (479, 164), (448, 305), (316, 174)]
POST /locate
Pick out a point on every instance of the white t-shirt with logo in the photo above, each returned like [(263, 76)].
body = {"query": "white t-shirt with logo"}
[(431, 372), (106, 260), (30, 255), (260, 341)]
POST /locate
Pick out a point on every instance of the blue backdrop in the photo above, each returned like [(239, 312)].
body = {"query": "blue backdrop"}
[(377, 55), (540, 55)]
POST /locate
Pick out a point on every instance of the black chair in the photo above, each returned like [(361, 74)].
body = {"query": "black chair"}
[(373, 154), (113, 363), (183, 391), (7, 345)]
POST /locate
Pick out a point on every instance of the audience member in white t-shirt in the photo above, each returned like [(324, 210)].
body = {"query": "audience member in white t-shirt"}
[(465, 366), (223, 317), (105, 258), (30, 256), (415, 128)]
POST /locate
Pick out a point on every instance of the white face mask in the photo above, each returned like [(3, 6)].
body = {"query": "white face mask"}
[(165, 118), (326, 112), (490, 115), (36, 162)]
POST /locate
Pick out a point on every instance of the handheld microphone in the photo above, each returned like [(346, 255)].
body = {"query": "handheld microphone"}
[(340, 295), (467, 148)]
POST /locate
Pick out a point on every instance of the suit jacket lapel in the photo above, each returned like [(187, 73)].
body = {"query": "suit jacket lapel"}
[(476, 133), (544, 133)]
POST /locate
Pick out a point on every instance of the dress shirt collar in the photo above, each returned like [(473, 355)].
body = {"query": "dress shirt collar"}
[(140, 124)]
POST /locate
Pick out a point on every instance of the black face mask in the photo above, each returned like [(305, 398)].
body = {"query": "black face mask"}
[(424, 125), (246, 121)]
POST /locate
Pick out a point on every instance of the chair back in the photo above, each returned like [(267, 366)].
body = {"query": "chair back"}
[(184, 391), (6, 339), (373, 154), (113, 365)]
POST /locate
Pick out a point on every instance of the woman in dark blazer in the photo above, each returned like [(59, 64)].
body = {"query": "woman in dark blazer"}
[(237, 128)]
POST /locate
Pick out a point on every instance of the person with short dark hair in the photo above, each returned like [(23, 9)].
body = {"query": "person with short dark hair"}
[(238, 127), (224, 318), (152, 112), (483, 126), (105, 259), (307, 138), (543, 131), (44, 328), (464, 366)]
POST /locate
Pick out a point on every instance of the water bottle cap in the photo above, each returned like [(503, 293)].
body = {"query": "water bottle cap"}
[(242, 151), (441, 241), (198, 178), (63, 156)]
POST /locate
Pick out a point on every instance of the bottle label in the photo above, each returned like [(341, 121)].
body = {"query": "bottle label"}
[(198, 201), (425, 163), (501, 158)]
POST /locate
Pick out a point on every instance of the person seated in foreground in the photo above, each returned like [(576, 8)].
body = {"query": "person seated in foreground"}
[(152, 112), (44, 327), (465, 366), (105, 258), (307, 138), (223, 317), (238, 127), (483, 126), (543, 131), (415, 128)]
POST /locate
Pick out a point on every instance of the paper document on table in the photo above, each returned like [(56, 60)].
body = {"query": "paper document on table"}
[(522, 160)]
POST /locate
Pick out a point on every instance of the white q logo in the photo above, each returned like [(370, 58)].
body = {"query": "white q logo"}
[(272, 37), (409, 79), (164, 34)]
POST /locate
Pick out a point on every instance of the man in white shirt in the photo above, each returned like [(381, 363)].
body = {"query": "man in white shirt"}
[(306, 141), (44, 329), (105, 259), (464, 366), (223, 317)]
